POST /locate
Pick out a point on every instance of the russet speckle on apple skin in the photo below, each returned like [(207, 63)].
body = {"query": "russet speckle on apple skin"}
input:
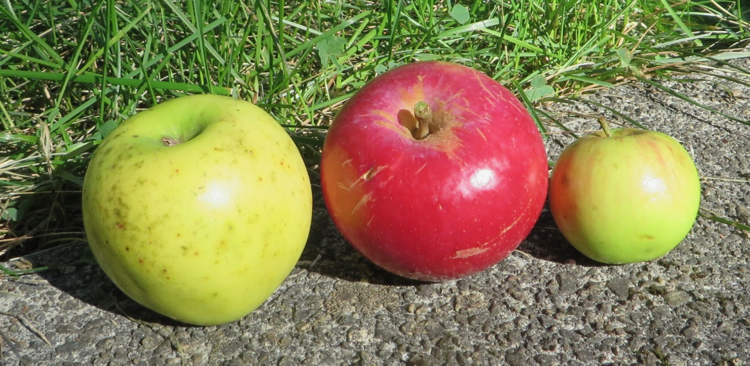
[(207, 240)]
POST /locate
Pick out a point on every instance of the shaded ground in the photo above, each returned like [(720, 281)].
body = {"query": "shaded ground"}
[(544, 304)]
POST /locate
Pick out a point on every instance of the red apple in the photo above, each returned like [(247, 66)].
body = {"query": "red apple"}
[(434, 171)]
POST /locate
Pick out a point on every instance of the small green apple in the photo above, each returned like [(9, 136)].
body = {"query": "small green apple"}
[(198, 208), (625, 195)]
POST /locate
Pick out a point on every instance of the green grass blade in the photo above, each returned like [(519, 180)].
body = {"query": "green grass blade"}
[(49, 51), (677, 19), (722, 220), (112, 41), (530, 107), (90, 78)]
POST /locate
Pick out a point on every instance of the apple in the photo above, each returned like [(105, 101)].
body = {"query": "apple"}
[(625, 195), (198, 208), (434, 171)]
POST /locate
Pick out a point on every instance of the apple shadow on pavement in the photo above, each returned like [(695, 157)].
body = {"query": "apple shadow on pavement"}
[(85, 281), (328, 253), (546, 242)]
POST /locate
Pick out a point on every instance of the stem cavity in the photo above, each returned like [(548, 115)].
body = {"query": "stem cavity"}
[(182, 136)]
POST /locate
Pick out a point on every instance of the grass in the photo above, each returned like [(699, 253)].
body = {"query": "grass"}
[(72, 71)]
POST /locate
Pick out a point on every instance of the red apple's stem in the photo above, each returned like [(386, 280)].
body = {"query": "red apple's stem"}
[(423, 114), (605, 126)]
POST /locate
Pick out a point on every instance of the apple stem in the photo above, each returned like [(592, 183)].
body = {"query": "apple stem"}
[(170, 141), (605, 126), (423, 114)]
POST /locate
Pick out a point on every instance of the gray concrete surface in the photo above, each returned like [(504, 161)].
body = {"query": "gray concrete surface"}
[(545, 304)]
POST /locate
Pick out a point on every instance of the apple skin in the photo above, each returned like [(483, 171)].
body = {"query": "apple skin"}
[(628, 198), (203, 231), (446, 206)]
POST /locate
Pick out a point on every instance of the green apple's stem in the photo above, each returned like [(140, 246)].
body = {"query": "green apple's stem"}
[(423, 114), (605, 126), (170, 141)]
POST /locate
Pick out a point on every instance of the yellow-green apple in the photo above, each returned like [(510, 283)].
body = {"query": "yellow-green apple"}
[(434, 171), (625, 195), (198, 208)]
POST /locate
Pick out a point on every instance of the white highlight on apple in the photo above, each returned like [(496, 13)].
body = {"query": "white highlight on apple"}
[(217, 195), (483, 178), (653, 184)]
